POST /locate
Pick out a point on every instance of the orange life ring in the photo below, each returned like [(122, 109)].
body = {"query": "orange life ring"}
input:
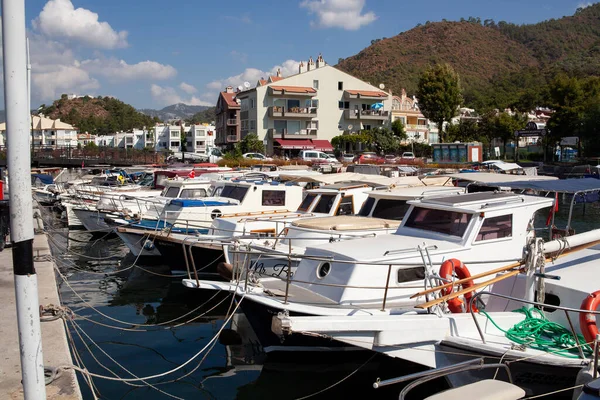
[(587, 322), (447, 271)]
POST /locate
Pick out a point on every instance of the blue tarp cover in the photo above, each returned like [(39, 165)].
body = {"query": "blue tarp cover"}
[(198, 203), (153, 224), (44, 178)]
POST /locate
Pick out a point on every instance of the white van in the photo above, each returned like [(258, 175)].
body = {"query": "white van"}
[(313, 155)]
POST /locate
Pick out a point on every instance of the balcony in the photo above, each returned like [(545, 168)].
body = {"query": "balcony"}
[(367, 114), (233, 138), (416, 127), (300, 112), (275, 112), (301, 134), (292, 112), (300, 91), (232, 122)]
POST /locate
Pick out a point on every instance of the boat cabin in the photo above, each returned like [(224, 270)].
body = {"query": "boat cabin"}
[(483, 230)]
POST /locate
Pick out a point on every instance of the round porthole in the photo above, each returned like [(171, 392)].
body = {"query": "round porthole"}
[(215, 214), (323, 270)]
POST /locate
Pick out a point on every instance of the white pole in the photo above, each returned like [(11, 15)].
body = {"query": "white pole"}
[(20, 201)]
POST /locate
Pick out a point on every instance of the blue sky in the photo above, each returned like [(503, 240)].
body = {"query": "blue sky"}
[(152, 54)]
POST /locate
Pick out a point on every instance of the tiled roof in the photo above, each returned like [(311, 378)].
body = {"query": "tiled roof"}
[(276, 78), (262, 82), (294, 89), (367, 93), (230, 99)]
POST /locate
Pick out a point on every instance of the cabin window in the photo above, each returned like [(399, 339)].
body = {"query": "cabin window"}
[(390, 209), (495, 228), (307, 202), (346, 206), (273, 198), (172, 192), (441, 221), (365, 210), (234, 192), (411, 274), (192, 193), (325, 203)]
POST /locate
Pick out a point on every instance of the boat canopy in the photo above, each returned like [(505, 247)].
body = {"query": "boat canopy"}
[(586, 190), (375, 180), (490, 178), (45, 179)]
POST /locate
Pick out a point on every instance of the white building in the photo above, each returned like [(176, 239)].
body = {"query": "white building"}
[(306, 110), (166, 137), (47, 133), (199, 138)]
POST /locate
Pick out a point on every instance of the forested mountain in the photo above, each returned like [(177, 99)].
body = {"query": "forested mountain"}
[(205, 116), (100, 115), (500, 64), (174, 111)]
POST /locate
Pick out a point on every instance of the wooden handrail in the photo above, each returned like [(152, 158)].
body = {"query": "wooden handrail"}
[(460, 281), (467, 290)]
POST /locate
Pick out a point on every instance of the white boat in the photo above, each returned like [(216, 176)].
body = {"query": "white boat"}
[(378, 276), (230, 198)]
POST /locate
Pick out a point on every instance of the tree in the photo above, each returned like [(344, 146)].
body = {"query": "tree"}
[(384, 140), (439, 94), (501, 126), (251, 144), (398, 129), (466, 130)]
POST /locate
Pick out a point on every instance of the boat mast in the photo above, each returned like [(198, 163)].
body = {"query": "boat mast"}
[(20, 199)]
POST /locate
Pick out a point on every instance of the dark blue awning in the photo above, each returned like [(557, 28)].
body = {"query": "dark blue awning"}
[(44, 178), (587, 190)]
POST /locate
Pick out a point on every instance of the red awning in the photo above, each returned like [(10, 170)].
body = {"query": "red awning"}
[(322, 145), (296, 144)]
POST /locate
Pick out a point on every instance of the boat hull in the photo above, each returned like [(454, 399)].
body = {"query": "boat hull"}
[(139, 245), (92, 220), (205, 259), (260, 317)]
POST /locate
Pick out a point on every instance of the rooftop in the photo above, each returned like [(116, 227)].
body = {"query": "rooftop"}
[(484, 201)]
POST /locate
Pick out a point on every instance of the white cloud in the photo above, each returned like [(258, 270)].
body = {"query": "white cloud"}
[(252, 75), (345, 14), (584, 5), (60, 19), (167, 95), (186, 87), (118, 70), (50, 83)]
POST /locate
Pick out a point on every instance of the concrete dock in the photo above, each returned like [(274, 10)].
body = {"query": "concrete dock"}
[(54, 339)]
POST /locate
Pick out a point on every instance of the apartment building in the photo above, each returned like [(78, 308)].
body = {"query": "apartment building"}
[(199, 138), (308, 109), (166, 137), (227, 119), (47, 132), (418, 128)]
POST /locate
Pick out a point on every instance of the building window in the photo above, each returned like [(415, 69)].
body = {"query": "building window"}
[(175, 133), (199, 143), (312, 103), (315, 84), (174, 144), (340, 85), (344, 105), (252, 124), (200, 133), (251, 103)]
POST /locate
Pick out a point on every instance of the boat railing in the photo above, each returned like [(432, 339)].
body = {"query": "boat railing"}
[(419, 378), (430, 280), (476, 297)]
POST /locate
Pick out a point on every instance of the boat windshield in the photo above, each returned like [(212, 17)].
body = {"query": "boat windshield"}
[(307, 202), (390, 209), (365, 210), (192, 193), (325, 203), (171, 192), (451, 223), (234, 192)]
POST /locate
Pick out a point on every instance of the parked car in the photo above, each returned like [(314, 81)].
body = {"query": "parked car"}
[(347, 157), (257, 156), (390, 158), (408, 155), (316, 156), (369, 158)]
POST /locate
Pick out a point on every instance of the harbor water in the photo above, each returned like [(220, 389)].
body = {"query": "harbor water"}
[(135, 319)]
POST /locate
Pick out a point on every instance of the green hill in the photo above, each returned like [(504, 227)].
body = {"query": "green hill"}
[(500, 64), (100, 115)]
